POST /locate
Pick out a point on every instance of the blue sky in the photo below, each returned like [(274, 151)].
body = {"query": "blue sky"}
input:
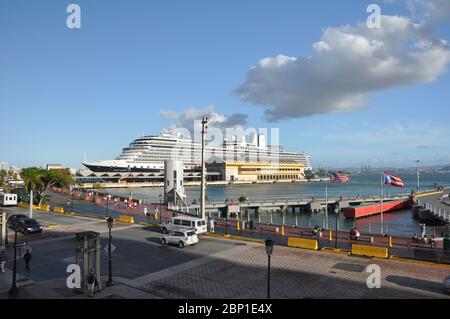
[(65, 92)]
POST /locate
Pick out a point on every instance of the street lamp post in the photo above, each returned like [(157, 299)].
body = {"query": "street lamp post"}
[(336, 212), (71, 200), (13, 291), (110, 222), (203, 182), (269, 250)]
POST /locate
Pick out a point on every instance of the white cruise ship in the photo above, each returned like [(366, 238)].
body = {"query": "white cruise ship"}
[(148, 153)]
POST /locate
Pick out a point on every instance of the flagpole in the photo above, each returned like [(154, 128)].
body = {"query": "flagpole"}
[(381, 201), (326, 200)]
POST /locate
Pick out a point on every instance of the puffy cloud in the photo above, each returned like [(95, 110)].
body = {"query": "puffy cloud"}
[(190, 118), (429, 10), (348, 63)]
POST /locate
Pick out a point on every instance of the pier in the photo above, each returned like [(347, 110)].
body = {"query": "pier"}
[(295, 205), (434, 206)]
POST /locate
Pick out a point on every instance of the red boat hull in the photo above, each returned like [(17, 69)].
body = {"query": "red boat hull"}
[(373, 209)]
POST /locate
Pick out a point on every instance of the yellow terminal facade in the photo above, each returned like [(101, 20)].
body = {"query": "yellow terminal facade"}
[(258, 172)]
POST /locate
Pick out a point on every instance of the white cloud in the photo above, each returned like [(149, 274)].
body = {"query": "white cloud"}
[(348, 64), (429, 10), (191, 117)]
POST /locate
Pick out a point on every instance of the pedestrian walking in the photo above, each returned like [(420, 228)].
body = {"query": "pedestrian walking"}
[(145, 211), (2, 261), (27, 259), (211, 225), (91, 280)]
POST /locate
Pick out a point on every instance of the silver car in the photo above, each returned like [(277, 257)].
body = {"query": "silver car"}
[(180, 238)]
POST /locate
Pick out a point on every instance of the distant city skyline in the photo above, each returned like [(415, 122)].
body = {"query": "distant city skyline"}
[(342, 93)]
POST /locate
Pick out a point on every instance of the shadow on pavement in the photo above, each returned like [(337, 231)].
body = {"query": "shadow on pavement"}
[(420, 284)]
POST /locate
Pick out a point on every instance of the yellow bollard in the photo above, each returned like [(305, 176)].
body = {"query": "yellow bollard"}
[(238, 225), (390, 241), (282, 230), (156, 216), (331, 235)]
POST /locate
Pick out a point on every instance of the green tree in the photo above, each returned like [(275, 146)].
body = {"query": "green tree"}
[(40, 180), (3, 177), (243, 199)]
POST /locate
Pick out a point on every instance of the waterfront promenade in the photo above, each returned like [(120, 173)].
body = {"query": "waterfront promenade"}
[(401, 246), (222, 268)]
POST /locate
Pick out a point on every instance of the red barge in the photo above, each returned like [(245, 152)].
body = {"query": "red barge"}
[(374, 209)]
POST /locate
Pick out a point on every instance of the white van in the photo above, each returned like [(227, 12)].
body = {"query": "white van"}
[(182, 222), (8, 199)]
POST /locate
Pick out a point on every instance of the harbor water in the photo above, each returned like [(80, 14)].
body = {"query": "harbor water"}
[(399, 223)]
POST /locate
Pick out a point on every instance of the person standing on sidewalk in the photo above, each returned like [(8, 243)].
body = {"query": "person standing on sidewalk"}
[(145, 211), (2, 261), (27, 259), (91, 280)]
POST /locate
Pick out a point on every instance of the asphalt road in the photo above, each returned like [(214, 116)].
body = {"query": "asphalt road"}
[(137, 249)]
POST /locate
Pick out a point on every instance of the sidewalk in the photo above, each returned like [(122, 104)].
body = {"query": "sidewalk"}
[(56, 289)]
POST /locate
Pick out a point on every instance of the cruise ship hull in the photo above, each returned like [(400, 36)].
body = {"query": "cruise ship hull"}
[(118, 169)]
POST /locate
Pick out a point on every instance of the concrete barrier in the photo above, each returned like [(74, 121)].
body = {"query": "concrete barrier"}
[(303, 243), (45, 208), (58, 210), (370, 251), (429, 194), (126, 219)]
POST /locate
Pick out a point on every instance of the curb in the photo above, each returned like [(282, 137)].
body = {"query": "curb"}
[(149, 225), (51, 225), (252, 240), (336, 251), (419, 262), (84, 215)]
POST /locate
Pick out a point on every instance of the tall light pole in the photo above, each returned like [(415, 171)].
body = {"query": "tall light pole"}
[(160, 210), (31, 203), (336, 212), (326, 202), (110, 222), (418, 177), (203, 183)]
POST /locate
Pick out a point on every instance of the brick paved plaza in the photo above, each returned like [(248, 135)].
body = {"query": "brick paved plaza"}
[(300, 274)]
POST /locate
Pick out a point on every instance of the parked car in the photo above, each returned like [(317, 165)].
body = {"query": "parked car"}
[(180, 238), (188, 223), (14, 219), (29, 226), (447, 284)]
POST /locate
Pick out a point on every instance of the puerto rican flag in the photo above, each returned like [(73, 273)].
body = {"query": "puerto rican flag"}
[(393, 180)]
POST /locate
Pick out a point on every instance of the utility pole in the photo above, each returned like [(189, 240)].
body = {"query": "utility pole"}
[(326, 199), (418, 178), (203, 183), (31, 204)]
